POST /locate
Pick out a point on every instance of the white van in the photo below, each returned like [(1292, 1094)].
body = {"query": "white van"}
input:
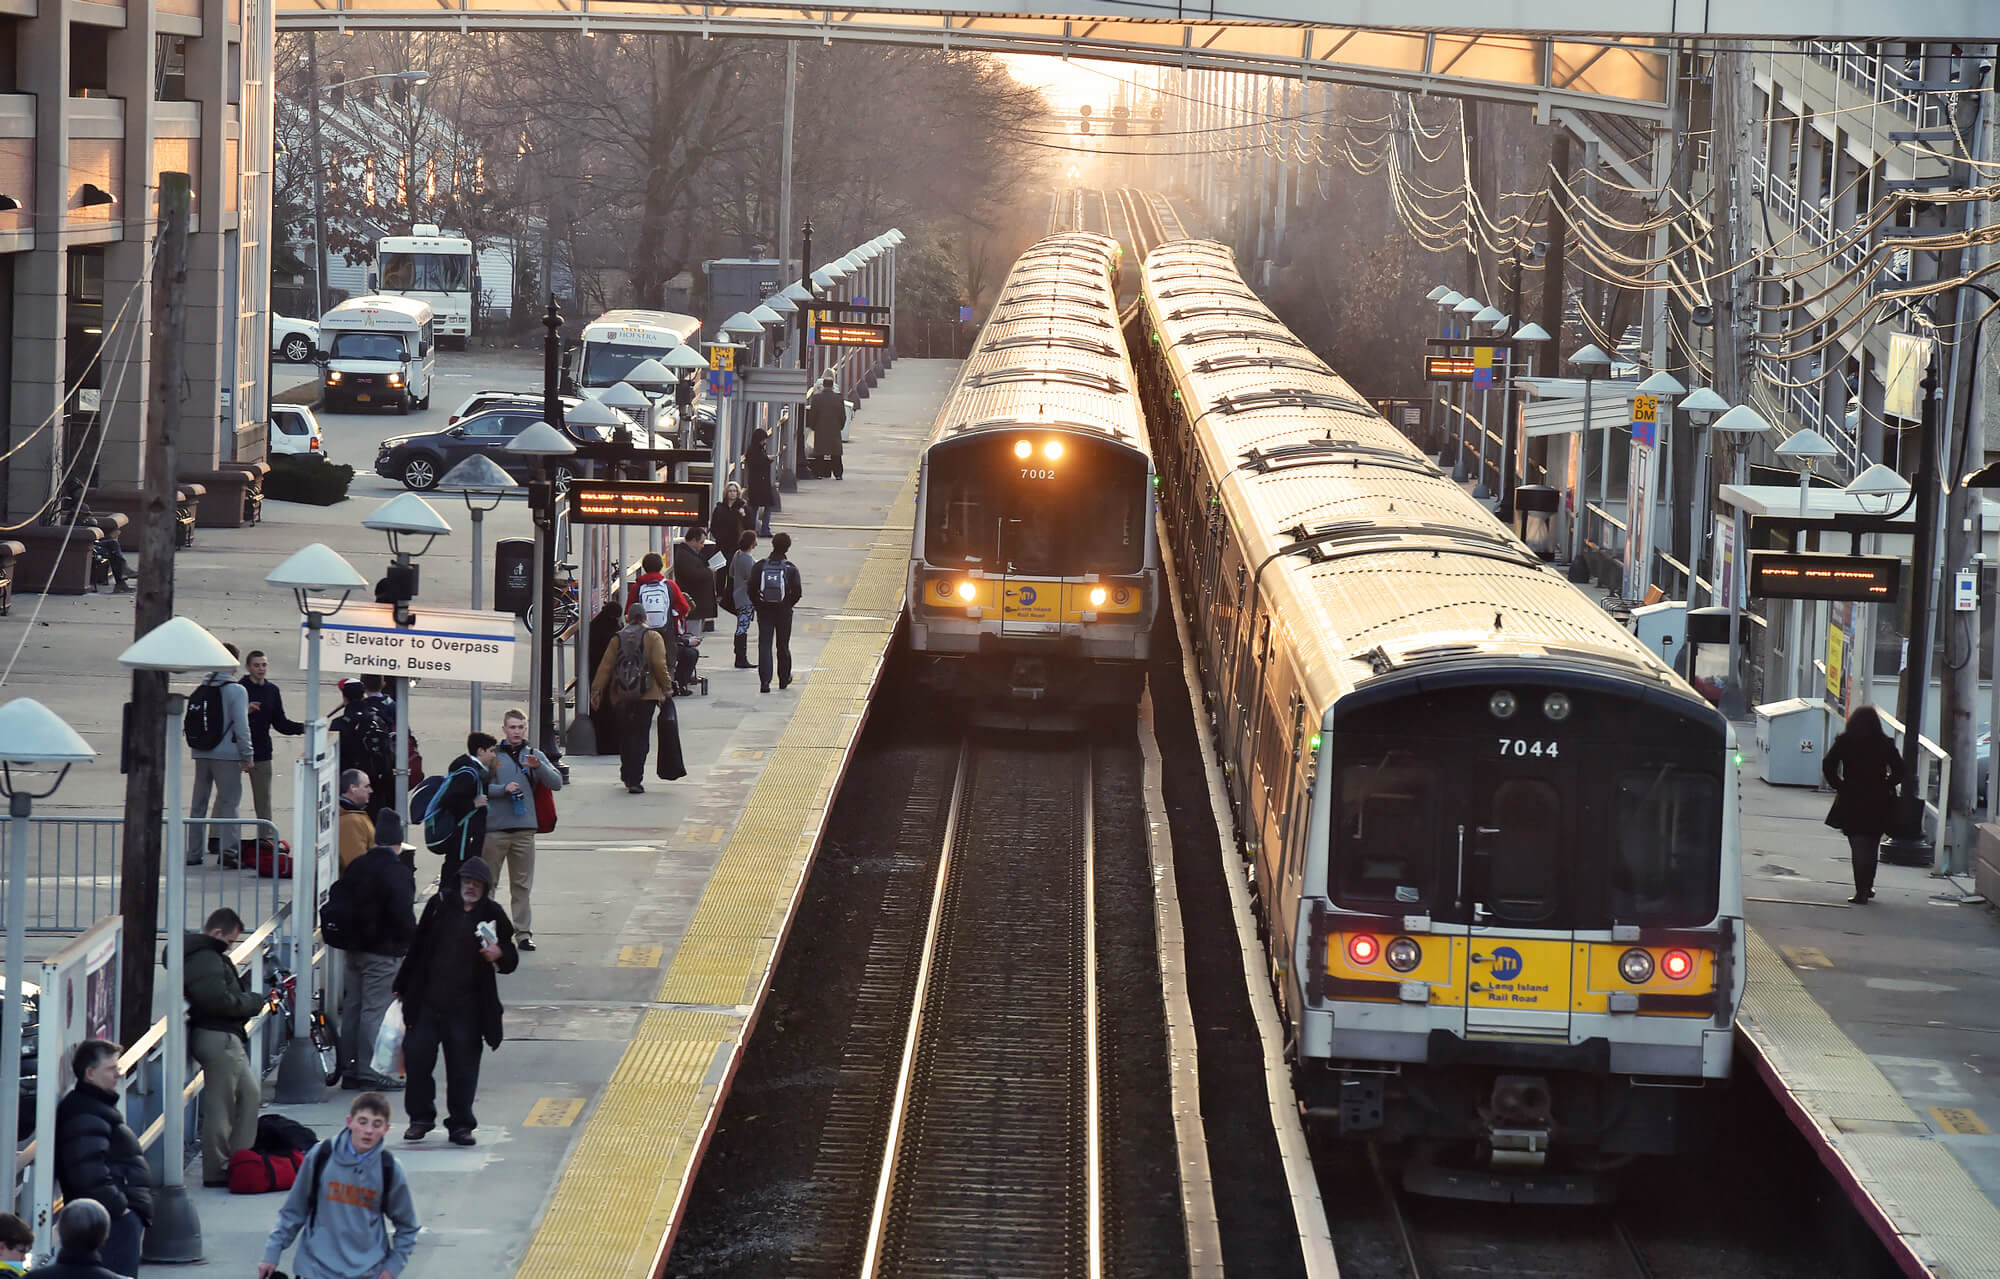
[(375, 351), (616, 342)]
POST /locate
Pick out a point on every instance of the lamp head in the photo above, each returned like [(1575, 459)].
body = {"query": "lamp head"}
[(651, 376), (1469, 306), (1531, 332), (543, 440), (176, 646), (1741, 420), (33, 737), (1807, 446), (478, 476), (684, 359), (320, 570), (1451, 298), (1881, 481), (1437, 291), (1663, 383), (407, 518), (625, 396), (593, 414), (766, 315), (1704, 401)]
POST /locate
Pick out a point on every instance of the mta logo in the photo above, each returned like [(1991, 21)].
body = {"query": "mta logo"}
[(1027, 596), (1506, 963)]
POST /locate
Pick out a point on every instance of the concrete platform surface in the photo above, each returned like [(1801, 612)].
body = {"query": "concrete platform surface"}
[(1884, 1021)]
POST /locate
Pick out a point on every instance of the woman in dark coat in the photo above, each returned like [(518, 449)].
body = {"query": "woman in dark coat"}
[(1865, 770), (726, 524), (757, 471)]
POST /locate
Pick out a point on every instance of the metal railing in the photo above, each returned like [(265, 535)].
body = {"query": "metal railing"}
[(1882, 77), (74, 870), (1933, 779)]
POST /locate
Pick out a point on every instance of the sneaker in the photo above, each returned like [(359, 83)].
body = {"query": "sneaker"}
[(417, 1132), (785, 683), (1859, 899), (196, 861), (382, 1083), (524, 943), (231, 861), (463, 1137), (635, 789), (764, 689)]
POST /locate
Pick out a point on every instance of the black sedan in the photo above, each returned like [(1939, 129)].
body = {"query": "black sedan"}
[(420, 461)]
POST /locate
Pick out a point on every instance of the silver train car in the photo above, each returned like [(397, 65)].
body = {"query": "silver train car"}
[(1493, 839), (1034, 566)]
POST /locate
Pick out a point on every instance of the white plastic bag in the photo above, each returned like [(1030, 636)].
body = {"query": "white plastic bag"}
[(388, 1059)]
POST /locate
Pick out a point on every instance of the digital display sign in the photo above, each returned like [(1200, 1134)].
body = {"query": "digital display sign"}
[(1449, 368), (1792, 575), (637, 502), (852, 335)]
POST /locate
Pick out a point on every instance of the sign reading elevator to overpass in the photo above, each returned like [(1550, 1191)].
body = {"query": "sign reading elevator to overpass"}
[(446, 643)]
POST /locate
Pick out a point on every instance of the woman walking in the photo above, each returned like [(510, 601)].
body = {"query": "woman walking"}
[(1865, 770), (741, 565), (727, 522), (757, 471)]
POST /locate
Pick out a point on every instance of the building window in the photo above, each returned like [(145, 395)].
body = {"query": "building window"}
[(89, 61), (170, 68)]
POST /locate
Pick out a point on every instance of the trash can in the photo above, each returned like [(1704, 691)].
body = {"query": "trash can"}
[(1662, 627), (1791, 737)]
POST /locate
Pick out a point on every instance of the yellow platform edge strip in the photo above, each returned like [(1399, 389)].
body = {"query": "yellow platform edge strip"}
[(633, 1157), (1926, 1194)]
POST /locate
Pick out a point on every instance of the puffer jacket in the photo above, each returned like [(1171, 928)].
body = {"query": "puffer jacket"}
[(98, 1155), (217, 998)]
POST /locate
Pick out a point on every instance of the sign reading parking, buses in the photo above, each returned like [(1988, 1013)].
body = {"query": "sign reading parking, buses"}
[(446, 643)]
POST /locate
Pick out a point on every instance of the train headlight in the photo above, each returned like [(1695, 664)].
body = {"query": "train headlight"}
[(1363, 949), (966, 591), (1052, 450), (1097, 596), (1403, 954), (1635, 966), (1503, 704), (1556, 707), (1675, 965), (1023, 449)]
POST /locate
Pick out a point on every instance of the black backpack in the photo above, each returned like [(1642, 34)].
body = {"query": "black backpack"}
[(340, 921), (771, 582), (204, 724)]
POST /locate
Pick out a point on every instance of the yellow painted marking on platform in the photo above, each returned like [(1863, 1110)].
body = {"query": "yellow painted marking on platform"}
[(816, 628), (702, 835), (746, 754), (553, 1112), (1957, 1119), (1806, 957), (639, 956)]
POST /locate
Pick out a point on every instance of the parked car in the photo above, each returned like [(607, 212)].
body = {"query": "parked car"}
[(295, 430), (480, 401), (420, 461), (295, 341)]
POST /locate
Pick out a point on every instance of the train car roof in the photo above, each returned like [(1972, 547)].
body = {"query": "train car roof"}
[(1379, 562)]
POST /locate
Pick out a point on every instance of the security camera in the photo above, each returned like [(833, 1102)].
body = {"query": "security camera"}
[(1538, 250), (1703, 315)]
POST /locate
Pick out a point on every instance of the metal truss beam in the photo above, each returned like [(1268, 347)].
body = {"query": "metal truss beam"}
[(1615, 75)]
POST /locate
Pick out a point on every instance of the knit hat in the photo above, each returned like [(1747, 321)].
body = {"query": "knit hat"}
[(389, 829), (476, 870)]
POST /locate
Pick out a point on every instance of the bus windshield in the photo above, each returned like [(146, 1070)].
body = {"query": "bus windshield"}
[(426, 273), (607, 363), (366, 346)]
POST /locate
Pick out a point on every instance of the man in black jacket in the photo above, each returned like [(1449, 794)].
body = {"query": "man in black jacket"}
[(776, 589), (826, 414), (377, 894), (218, 1005), (267, 713), (82, 1228), (98, 1155), (451, 999), (463, 799)]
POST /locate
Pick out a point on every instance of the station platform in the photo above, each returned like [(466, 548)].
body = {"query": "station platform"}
[(657, 918), (1878, 1026)]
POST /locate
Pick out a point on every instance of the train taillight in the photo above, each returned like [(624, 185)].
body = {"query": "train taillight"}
[(1675, 965), (1363, 949)]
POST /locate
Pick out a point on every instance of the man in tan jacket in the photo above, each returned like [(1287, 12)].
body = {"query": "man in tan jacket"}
[(357, 828), (633, 674)]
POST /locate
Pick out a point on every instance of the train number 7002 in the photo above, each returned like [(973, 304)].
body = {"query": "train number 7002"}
[(1521, 746), (1030, 473)]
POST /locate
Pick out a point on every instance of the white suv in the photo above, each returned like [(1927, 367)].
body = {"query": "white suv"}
[(293, 341), (295, 430)]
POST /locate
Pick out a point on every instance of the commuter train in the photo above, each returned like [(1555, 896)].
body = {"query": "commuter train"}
[(1493, 839), (1034, 566)]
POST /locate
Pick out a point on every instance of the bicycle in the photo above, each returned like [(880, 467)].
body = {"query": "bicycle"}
[(326, 1044)]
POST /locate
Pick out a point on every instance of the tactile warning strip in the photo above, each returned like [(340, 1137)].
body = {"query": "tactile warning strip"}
[(1923, 1193), (621, 1189)]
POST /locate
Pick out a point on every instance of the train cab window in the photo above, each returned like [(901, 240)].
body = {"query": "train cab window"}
[(1668, 843), (1522, 851), (1083, 511), (1385, 841)]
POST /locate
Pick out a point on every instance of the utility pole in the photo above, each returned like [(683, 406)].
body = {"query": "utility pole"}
[(788, 475), (1552, 270), (145, 751), (805, 354), (318, 176)]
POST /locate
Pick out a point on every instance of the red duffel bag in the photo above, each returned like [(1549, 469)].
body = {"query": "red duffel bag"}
[(252, 1172)]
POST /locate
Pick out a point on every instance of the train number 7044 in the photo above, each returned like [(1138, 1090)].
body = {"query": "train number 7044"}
[(1521, 746)]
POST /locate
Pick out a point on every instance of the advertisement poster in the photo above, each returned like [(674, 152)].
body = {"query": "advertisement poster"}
[(1722, 568)]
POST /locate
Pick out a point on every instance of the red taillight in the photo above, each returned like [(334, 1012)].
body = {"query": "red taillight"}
[(452, 420), (1363, 949), (312, 445), (1676, 965)]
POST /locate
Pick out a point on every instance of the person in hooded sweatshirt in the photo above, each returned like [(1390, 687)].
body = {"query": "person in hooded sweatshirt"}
[(348, 1195), (451, 999)]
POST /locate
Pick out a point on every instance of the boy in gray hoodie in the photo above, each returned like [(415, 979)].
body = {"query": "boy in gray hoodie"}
[(348, 1192)]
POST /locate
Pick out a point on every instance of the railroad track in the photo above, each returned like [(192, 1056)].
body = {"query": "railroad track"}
[(1456, 1240), (991, 1161)]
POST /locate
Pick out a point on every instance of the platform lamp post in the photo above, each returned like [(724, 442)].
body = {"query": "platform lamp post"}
[(1526, 338), (746, 330), (1806, 448), (1445, 298), (412, 525), (177, 646), (800, 294), (1465, 310), (543, 442), (1875, 489), (1594, 363), (33, 738), (681, 363), (1496, 324), (484, 486), (787, 312), (1740, 421), (315, 570), (1667, 388), (1701, 404)]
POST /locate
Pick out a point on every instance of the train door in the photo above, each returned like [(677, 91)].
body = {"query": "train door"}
[(1028, 606), (1515, 874)]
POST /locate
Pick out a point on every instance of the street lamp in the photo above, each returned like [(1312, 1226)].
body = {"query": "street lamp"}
[(1494, 321), (1525, 339), (1806, 448), (484, 486), (176, 646), (1880, 484), (1594, 362), (407, 519), (1700, 405), (1741, 421), (1465, 309), (542, 442), (316, 569), (32, 738)]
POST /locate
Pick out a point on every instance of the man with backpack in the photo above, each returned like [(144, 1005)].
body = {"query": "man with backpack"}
[(218, 1004), (348, 1194), (775, 583), (217, 727), (367, 740), (633, 674), (370, 915), (454, 807), (667, 611)]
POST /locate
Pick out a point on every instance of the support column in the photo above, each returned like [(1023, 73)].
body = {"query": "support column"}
[(205, 441), (127, 359), (40, 278)]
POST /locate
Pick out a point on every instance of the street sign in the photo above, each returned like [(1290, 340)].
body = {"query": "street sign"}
[(851, 313), (722, 357), (965, 315), (1645, 420), (650, 504), (852, 335), (721, 382), (446, 643), (1816, 575), (775, 386), (1482, 367)]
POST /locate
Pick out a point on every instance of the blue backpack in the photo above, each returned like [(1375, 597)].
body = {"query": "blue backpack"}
[(443, 834)]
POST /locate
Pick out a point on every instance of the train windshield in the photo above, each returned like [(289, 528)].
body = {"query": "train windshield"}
[(1666, 847), (1389, 824), (1037, 504)]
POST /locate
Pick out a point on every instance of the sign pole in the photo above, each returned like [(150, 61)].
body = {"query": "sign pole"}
[(300, 1077)]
